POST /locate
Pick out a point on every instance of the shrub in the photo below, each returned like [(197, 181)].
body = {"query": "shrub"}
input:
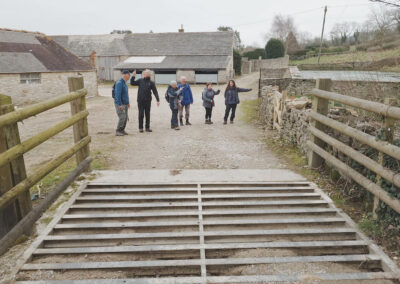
[(389, 46), (274, 48), (361, 48), (300, 52), (237, 62), (255, 54)]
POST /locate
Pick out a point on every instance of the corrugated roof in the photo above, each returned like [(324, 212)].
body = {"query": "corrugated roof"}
[(149, 44), (34, 52), (197, 62)]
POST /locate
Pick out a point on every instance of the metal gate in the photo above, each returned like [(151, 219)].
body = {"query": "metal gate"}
[(202, 233)]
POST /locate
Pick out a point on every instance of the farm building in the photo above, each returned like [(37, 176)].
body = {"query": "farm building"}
[(34, 68), (199, 56)]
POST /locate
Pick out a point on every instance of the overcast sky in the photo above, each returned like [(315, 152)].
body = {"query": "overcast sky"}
[(251, 17)]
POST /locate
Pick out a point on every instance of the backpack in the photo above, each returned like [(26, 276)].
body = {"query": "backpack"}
[(113, 91), (167, 98)]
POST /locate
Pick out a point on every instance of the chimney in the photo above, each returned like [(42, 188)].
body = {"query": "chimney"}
[(92, 59), (181, 30)]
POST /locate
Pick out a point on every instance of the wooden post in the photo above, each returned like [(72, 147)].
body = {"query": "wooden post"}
[(80, 128), (388, 127), (11, 174), (320, 106)]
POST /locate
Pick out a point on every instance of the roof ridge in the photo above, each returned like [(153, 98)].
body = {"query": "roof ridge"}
[(21, 31), (144, 33)]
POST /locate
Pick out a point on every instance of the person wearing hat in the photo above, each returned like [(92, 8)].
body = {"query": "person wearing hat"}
[(121, 101)]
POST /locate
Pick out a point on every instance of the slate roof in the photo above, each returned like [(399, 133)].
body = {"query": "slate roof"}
[(198, 62), (26, 52), (84, 45), (149, 44)]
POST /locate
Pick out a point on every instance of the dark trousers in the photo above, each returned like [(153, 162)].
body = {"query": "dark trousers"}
[(144, 110), (228, 109), (208, 112), (174, 118)]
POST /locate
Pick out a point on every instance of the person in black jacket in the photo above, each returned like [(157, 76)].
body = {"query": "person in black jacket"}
[(146, 87), (232, 99)]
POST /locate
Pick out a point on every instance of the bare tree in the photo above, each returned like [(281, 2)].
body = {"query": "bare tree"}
[(282, 26), (238, 40), (382, 21), (341, 33), (121, 32), (393, 3)]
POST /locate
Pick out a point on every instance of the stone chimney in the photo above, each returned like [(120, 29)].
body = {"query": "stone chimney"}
[(181, 30), (92, 59)]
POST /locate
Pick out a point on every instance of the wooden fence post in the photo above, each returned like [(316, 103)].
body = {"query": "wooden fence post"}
[(11, 174), (320, 106), (387, 135), (80, 128)]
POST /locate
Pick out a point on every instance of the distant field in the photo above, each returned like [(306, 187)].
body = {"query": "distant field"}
[(360, 56)]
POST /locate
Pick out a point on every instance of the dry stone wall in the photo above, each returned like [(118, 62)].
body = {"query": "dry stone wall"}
[(294, 129), (368, 90)]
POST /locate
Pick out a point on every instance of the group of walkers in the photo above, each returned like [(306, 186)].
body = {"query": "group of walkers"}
[(179, 96)]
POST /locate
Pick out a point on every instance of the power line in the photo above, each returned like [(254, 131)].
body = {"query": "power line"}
[(304, 12)]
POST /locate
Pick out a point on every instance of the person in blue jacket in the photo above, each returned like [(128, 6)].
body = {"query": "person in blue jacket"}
[(121, 102), (232, 99), (187, 100)]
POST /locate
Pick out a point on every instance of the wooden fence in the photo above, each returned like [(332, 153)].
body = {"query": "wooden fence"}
[(319, 139), (16, 213)]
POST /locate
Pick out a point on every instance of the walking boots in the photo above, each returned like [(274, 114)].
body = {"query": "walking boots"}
[(187, 122)]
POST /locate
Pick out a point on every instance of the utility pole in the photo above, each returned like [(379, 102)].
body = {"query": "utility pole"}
[(322, 34)]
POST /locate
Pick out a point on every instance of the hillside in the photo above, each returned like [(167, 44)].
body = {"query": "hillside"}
[(384, 56)]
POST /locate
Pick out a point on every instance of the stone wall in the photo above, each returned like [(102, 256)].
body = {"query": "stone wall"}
[(296, 122), (281, 62), (52, 85), (368, 90), (246, 66)]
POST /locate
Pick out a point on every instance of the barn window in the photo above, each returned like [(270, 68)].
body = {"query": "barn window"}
[(30, 78)]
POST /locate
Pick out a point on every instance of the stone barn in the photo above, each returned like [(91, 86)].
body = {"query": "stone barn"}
[(34, 68), (201, 56)]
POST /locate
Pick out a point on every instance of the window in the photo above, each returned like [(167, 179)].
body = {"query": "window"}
[(30, 78)]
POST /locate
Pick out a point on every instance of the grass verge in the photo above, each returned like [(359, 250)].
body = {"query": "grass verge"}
[(360, 56)]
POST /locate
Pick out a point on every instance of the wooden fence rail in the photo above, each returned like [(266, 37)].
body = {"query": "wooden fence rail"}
[(319, 139), (15, 203)]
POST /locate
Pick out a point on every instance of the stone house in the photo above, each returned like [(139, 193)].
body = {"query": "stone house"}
[(201, 56), (34, 68)]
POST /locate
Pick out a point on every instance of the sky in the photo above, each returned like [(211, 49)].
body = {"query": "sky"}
[(252, 18)]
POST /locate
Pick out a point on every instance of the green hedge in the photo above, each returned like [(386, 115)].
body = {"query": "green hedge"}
[(255, 54), (274, 48), (237, 62)]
